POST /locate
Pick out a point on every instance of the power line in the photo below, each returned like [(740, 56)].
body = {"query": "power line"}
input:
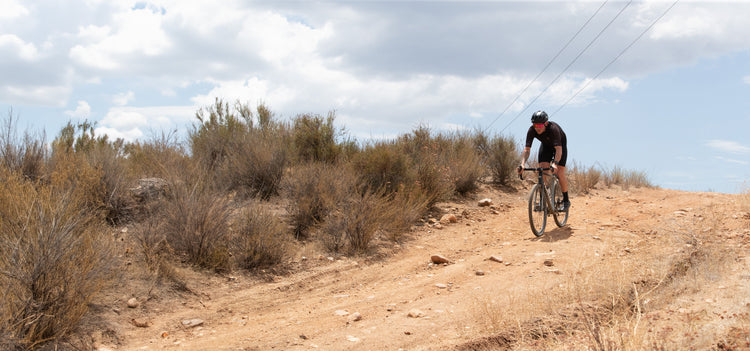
[(617, 57), (547, 66), (568, 66)]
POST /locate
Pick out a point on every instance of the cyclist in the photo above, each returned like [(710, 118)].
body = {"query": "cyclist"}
[(553, 151)]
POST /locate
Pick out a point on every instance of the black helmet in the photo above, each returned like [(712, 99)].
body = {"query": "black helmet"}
[(539, 117)]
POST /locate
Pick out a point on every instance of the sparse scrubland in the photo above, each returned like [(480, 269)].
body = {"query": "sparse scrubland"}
[(247, 193)]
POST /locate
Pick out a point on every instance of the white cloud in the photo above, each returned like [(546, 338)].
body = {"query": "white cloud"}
[(123, 99), (129, 134), (129, 122), (730, 160), (132, 32), (12, 45), (41, 95), (12, 9), (728, 146), (746, 79), (82, 111)]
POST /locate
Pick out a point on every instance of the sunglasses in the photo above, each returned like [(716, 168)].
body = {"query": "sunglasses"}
[(538, 125)]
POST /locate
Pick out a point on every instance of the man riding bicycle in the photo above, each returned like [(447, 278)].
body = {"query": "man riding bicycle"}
[(553, 151)]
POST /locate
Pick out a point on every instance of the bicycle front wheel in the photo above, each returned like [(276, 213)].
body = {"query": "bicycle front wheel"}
[(561, 215), (537, 210)]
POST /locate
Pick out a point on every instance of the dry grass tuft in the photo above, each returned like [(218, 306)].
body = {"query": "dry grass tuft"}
[(604, 304)]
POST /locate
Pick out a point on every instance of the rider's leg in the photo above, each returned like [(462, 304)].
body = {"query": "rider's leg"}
[(563, 178), (546, 174), (563, 185)]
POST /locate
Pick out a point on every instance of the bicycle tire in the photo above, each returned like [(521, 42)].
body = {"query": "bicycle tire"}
[(561, 217), (537, 210)]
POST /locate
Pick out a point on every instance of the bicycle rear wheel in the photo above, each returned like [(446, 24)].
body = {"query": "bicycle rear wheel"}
[(561, 217), (537, 210)]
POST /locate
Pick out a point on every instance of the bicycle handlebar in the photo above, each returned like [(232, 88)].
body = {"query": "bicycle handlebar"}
[(537, 169)]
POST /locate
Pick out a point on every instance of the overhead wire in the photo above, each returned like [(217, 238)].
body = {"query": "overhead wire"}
[(548, 64), (569, 65), (616, 57)]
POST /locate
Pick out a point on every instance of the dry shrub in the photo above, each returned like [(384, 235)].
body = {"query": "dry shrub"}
[(55, 257), (583, 180), (255, 165), (315, 138), (27, 156), (499, 155), (157, 254), (626, 178), (261, 239), (354, 222), (384, 165), (156, 156), (196, 223), (464, 163), (404, 208), (427, 155), (314, 190), (80, 142), (211, 139)]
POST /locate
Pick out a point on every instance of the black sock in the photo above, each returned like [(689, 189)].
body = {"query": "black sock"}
[(565, 196)]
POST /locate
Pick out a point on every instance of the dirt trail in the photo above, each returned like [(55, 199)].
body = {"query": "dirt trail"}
[(315, 309)]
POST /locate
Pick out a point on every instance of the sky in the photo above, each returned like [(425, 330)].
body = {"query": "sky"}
[(661, 87)]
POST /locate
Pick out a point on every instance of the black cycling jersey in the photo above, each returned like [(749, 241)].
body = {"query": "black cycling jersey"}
[(552, 136)]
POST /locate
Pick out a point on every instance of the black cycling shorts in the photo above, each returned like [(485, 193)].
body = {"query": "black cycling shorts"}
[(548, 154)]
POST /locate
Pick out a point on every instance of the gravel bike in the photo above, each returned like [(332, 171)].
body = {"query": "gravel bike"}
[(545, 199)]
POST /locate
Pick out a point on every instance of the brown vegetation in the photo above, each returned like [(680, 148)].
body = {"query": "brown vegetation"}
[(244, 194)]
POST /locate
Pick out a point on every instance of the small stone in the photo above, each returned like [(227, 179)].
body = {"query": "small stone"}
[(496, 258), (191, 323), (415, 313), (441, 286), (549, 263), (341, 312), (439, 259), (448, 218), (133, 303), (355, 317), (141, 322), (479, 272), (485, 202)]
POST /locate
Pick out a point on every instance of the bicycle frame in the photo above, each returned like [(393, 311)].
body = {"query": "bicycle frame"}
[(546, 205), (547, 197)]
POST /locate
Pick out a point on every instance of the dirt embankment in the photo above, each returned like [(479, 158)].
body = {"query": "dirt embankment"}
[(645, 248)]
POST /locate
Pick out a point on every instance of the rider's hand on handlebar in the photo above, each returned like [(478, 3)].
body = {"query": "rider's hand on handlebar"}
[(520, 169)]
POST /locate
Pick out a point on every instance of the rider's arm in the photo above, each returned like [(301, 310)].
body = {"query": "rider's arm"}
[(558, 154), (525, 156)]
